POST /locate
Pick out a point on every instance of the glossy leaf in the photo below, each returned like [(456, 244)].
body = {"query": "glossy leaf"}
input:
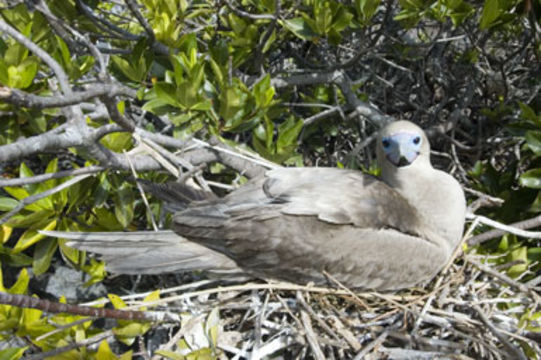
[(43, 255), (531, 179), (491, 12), (30, 237)]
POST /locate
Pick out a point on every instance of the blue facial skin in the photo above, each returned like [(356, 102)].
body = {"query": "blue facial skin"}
[(401, 149)]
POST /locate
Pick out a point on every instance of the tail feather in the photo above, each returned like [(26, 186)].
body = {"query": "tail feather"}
[(148, 252)]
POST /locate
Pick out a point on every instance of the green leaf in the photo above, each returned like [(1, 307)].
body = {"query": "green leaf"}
[(21, 76), (155, 105), (12, 353), (366, 8), (491, 12), (263, 92), (129, 70), (124, 202), (43, 254), (533, 140), (212, 327), (35, 219), (30, 237), (104, 352), (17, 192), (117, 302), (21, 285), (7, 204), (520, 254), (299, 27), (117, 141), (529, 114), (531, 179), (288, 134), (166, 93)]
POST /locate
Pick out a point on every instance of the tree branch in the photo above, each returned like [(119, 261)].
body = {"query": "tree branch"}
[(39, 52), (22, 98)]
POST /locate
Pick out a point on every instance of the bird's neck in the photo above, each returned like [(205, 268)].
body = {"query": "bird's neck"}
[(436, 196)]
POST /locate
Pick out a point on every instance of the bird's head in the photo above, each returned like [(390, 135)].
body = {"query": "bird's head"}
[(402, 143)]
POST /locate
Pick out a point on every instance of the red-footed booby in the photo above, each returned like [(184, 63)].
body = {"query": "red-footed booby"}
[(297, 224)]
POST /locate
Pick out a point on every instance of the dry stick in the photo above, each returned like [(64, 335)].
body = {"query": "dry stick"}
[(515, 353), (248, 15), (180, 333), (345, 288), (25, 301), (506, 279), (525, 224), (164, 156), (275, 286), (60, 328), (44, 177), (196, 284), (346, 333), (21, 98), (507, 228), (427, 305), (379, 340), (31, 199), (465, 320), (257, 329), (141, 191), (321, 323), (458, 249), (92, 340), (311, 336), (321, 115)]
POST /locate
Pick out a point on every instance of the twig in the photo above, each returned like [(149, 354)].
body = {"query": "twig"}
[(278, 286), (311, 336), (514, 352), (508, 228), (86, 342), (525, 224), (143, 196), (379, 340), (39, 52), (345, 288), (31, 199), (44, 177), (21, 98), (248, 15), (313, 314), (506, 279), (25, 301)]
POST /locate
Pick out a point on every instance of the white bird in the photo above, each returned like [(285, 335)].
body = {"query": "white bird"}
[(296, 224)]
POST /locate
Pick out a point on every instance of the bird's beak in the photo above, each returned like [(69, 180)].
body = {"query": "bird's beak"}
[(403, 161)]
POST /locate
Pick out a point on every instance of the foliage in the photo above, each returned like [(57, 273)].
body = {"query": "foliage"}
[(292, 81)]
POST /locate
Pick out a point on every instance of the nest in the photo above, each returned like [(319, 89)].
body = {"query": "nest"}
[(470, 311)]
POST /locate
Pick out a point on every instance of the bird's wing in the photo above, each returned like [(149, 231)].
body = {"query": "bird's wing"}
[(296, 223), (341, 197)]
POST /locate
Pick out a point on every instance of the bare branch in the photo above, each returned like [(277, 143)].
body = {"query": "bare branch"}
[(32, 199), (39, 52), (21, 98), (44, 177), (25, 301)]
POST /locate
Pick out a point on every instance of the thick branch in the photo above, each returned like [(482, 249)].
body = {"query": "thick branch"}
[(56, 307)]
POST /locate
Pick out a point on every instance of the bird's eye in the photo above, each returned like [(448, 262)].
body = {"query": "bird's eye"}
[(386, 143), (417, 140)]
